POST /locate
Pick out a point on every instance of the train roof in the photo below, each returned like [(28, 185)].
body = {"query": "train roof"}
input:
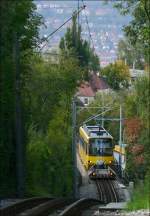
[(96, 131)]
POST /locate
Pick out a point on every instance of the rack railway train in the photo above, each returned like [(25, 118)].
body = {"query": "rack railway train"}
[(95, 148)]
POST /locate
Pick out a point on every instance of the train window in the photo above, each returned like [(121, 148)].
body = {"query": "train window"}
[(82, 143), (107, 151), (101, 143), (100, 147)]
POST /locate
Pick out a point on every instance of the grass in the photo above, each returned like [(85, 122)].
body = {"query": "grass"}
[(141, 197)]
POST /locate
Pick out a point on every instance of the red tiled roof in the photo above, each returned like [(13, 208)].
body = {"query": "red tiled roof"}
[(85, 90), (98, 83)]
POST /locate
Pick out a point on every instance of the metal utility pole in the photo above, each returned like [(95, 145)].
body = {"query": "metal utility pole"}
[(102, 109), (133, 65), (120, 134), (18, 123), (74, 141), (78, 16), (120, 138)]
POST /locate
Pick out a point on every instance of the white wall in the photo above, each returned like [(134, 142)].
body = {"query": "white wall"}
[(116, 156), (83, 99)]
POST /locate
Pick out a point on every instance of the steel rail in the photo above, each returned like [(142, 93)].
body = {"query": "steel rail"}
[(115, 191), (111, 191), (18, 207), (101, 191), (47, 208), (110, 195), (79, 206), (107, 190)]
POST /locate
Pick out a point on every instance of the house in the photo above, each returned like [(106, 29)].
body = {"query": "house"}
[(85, 93), (98, 84), (134, 73), (87, 90)]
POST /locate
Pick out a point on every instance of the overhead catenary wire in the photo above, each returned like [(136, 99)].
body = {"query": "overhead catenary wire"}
[(50, 35), (95, 116), (90, 35)]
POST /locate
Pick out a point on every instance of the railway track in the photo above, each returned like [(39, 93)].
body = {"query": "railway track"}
[(34, 207), (47, 207), (21, 206), (77, 208), (107, 190)]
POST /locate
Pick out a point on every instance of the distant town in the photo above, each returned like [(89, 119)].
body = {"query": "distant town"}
[(105, 24)]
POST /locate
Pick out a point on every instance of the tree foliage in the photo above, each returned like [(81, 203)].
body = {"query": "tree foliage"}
[(73, 44), (138, 30), (117, 75), (47, 85), (45, 89), (50, 88), (137, 110), (132, 55), (49, 154), (19, 23)]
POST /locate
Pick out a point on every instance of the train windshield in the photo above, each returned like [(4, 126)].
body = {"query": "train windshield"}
[(100, 147)]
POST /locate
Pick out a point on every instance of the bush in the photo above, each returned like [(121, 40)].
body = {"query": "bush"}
[(140, 199)]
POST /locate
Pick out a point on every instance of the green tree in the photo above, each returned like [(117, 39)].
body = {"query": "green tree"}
[(138, 30), (117, 75), (49, 158), (47, 85), (49, 91), (137, 106), (132, 55), (18, 22), (73, 44)]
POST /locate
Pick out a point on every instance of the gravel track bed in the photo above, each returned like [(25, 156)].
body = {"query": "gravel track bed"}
[(133, 213), (141, 212)]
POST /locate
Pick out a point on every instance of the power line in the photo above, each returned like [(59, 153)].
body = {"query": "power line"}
[(75, 13), (60, 7), (78, 14), (90, 35)]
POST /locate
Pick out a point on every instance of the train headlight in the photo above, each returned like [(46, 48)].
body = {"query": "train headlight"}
[(110, 162), (93, 173), (89, 162)]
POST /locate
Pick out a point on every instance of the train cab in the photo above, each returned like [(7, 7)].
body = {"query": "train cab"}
[(95, 144)]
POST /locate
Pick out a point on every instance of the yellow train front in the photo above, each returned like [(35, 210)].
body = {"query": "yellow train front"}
[(95, 144), (101, 171)]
